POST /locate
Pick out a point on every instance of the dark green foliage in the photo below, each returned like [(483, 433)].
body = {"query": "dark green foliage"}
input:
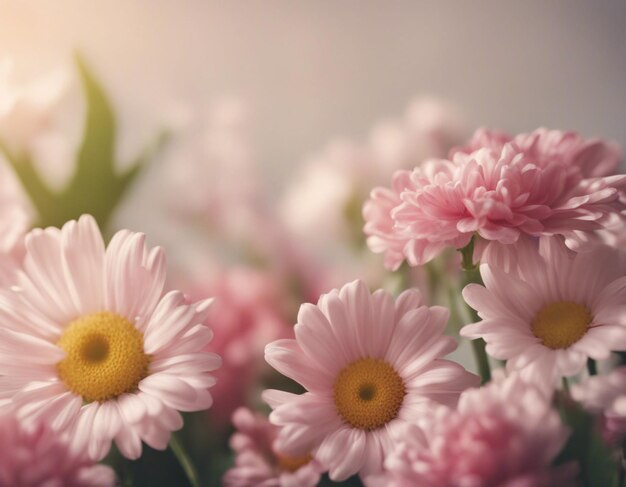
[(586, 447)]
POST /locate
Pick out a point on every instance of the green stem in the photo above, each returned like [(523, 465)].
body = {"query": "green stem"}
[(592, 367), (622, 466), (471, 274), (184, 460), (432, 278)]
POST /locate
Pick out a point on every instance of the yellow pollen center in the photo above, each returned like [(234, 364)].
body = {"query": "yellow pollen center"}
[(104, 356), (560, 325), (292, 464), (368, 393)]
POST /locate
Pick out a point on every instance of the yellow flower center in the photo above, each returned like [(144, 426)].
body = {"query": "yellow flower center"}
[(368, 393), (292, 464), (104, 356), (561, 324)]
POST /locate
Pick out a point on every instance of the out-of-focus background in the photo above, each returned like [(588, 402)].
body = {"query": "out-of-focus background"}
[(312, 70)]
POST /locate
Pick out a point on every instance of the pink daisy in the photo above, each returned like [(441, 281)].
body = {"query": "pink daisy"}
[(544, 183), (606, 395), (34, 455), (89, 344), (259, 464), (369, 365), (505, 434), (551, 309)]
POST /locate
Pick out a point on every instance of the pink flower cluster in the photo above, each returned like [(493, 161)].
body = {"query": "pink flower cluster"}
[(94, 353), (543, 183), (381, 400)]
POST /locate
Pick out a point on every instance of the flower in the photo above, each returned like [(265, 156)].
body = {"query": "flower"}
[(89, 344), (429, 128), (369, 365), (15, 219), (543, 183), (551, 309), (381, 227), (338, 173), (345, 171), (504, 434), (259, 464), (27, 108), (606, 395), (212, 162), (33, 455), (593, 157), (39, 119), (249, 311)]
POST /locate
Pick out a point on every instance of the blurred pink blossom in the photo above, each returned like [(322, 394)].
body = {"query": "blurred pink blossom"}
[(430, 127), (249, 311), (32, 455), (606, 395), (322, 205), (209, 172), (259, 464)]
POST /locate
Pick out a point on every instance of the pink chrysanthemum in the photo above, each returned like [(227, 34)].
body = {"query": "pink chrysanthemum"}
[(34, 455), (543, 183), (502, 435), (551, 309), (594, 157), (606, 395), (369, 365), (89, 344), (259, 464)]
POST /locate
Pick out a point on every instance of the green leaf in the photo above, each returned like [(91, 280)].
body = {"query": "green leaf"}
[(586, 447), (95, 187)]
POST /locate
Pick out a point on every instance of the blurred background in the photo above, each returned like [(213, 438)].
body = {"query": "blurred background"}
[(313, 70), (279, 117)]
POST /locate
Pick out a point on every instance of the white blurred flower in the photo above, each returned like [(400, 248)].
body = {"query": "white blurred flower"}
[(315, 206), (430, 127), (321, 208), (606, 395), (15, 220), (40, 118), (210, 169)]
